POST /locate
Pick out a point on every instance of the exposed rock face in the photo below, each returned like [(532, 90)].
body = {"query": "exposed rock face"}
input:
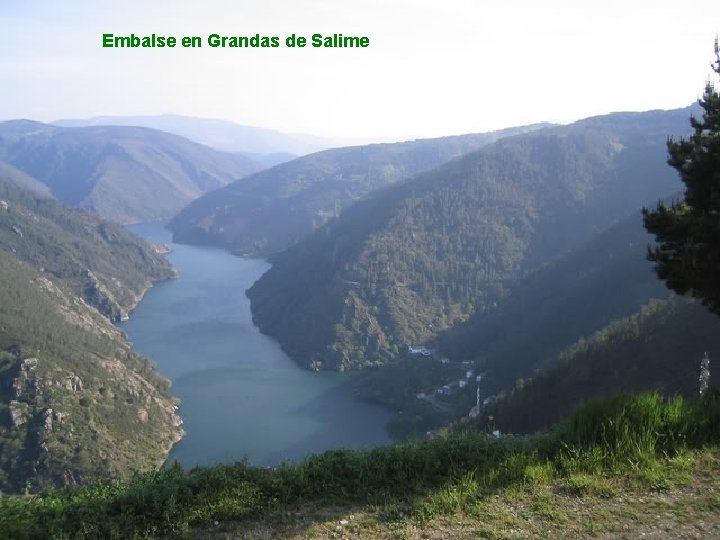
[(72, 390), (161, 248), (48, 419), (73, 382), (18, 413), (98, 295), (77, 418), (25, 379)]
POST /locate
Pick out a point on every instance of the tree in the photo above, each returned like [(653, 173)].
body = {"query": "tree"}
[(687, 256)]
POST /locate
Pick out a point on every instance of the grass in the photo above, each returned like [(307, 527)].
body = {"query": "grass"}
[(640, 442)]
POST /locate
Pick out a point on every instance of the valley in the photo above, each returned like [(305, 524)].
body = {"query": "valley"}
[(419, 301), (359, 270), (240, 396), (127, 174)]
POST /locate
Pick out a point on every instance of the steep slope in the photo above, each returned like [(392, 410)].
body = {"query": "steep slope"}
[(273, 209), (76, 403), (15, 176), (549, 309), (544, 313), (100, 262), (657, 348), (421, 256), (126, 174)]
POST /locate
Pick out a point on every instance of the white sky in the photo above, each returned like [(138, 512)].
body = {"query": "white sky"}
[(434, 67)]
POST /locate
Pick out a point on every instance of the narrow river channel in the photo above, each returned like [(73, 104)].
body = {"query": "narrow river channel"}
[(242, 397)]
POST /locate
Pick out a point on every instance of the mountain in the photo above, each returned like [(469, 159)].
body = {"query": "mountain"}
[(544, 312), (76, 403), (15, 176), (127, 174), (421, 256), (657, 348), (604, 279), (220, 134), (269, 211)]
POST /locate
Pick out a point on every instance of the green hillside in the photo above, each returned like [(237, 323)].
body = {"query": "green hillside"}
[(126, 174), (658, 348), (543, 313), (628, 467), (273, 209), (76, 403), (547, 310), (101, 262), (419, 257)]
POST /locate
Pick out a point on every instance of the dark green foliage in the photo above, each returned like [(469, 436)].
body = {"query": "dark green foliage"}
[(71, 388), (421, 256), (659, 348), (396, 385), (102, 262), (126, 174), (545, 312), (614, 435), (688, 231), (548, 310), (271, 210)]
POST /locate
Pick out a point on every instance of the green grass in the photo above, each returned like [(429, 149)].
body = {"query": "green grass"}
[(625, 436)]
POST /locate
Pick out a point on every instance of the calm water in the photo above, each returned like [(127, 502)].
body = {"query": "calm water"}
[(242, 397)]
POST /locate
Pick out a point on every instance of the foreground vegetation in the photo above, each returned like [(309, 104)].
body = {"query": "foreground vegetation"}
[(642, 440)]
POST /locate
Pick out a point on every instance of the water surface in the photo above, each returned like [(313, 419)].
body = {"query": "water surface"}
[(242, 397)]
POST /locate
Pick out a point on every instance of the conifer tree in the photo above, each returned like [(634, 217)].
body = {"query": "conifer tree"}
[(687, 256)]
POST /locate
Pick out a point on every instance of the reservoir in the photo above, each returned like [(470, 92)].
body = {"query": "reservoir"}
[(241, 396)]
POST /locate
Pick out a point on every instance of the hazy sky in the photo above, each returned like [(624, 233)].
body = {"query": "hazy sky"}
[(434, 67)]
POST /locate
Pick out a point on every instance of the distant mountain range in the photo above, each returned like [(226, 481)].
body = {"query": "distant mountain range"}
[(126, 174), (259, 143), (273, 209), (520, 252), (423, 255)]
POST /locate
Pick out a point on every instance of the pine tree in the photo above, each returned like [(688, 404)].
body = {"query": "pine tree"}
[(688, 231)]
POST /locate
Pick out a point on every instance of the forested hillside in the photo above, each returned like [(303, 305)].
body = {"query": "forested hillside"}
[(657, 348), (101, 262), (543, 313), (127, 174), (76, 403), (275, 208), (549, 309), (419, 257)]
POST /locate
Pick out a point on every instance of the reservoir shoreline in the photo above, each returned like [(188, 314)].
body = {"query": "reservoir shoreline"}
[(241, 396)]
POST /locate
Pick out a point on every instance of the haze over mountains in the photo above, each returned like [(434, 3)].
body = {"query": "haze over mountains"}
[(220, 134), (275, 208), (594, 322), (126, 174), (514, 250)]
